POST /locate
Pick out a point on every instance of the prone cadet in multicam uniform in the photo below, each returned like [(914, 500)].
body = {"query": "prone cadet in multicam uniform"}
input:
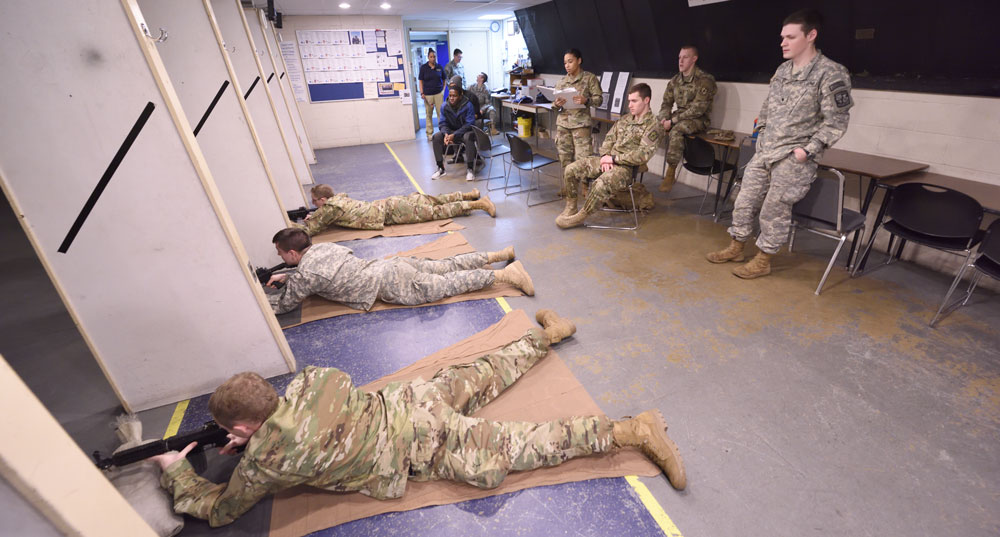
[(574, 139), (340, 210), (333, 272), (805, 112), (328, 434), (629, 144), (693, 91)]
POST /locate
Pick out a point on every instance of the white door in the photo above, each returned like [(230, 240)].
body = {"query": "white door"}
[(475, 52)]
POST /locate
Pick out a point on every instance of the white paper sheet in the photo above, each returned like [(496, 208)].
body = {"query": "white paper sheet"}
[(396, 75)]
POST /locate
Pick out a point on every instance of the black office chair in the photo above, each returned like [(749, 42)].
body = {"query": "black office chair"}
[(699, 159), (822, 212), (987, 262), (487, 150), (637, 173), (523, 158), (934, 216)]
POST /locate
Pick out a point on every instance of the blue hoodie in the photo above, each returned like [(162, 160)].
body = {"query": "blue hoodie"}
[(457, 120)]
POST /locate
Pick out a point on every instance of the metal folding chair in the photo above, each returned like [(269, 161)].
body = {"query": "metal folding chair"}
[(699, 159), (486, 150), (523, 158), (637, 173), (987, 262)]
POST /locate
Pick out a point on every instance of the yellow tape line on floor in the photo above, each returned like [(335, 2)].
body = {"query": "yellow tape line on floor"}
[(176, 419), (407, 172), (653, 506)]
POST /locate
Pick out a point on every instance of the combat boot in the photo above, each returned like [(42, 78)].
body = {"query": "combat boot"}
[(515, 275), (503, 255), (570, 208), (556, 327), (759, 266), (472, 195), (648, 432), (572, 220), (669, 178), (733, 252), (484, 204)]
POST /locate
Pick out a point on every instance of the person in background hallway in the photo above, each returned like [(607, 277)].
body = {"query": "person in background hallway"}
[(455, 67), (431, 79)]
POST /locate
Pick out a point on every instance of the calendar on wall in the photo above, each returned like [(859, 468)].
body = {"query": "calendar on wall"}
[(342, 65)]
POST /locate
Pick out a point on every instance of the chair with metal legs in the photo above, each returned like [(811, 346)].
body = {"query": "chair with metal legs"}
[(637, 173), (746, 152), (523, 158), (699, 159), (934, 216), (487, 150), (987, 262), (822, 212)]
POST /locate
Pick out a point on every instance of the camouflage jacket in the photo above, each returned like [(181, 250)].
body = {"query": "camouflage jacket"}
[(588, 85), (325, 433), (334, 273), (693, 97), (340, 210), (808, 109), (452, 69), (632, 141), (482, 93)]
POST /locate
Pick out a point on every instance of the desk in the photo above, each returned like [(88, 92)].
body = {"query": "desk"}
[(531, 108)]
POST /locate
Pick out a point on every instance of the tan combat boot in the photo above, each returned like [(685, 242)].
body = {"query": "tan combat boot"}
[(503, 255), (733, 252), (648, 432), (556, 327), (570, 208), (471, 196), (669, 178), (515, 275), (759, 266), (484, 204), (572, 220)]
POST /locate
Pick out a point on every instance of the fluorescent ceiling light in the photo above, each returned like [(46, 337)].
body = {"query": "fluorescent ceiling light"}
[(385, 5), (493, 17), (344, 5)]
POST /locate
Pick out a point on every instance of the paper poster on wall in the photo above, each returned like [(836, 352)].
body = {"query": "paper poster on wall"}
[(618, 98), (350, 64), (295, 77), (405, 97)]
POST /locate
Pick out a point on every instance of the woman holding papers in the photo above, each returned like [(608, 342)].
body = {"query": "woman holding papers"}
[(575, 94)]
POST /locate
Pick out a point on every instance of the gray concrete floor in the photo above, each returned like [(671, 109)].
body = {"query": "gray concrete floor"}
[(839, 414)]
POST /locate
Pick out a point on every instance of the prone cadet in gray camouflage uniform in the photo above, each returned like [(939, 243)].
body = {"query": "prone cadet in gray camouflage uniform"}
[(335, 273), (574, 140), (340, 210), (693, 91), (629, 144), (805, 112), (328, 434)]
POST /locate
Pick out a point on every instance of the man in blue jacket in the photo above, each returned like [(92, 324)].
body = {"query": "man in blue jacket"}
[(455, 127)]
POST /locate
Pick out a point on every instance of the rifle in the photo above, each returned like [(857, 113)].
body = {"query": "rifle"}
[(264, 274), (210, 435), (299, 214)]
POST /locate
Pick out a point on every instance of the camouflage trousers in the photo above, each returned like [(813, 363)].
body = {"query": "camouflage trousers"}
[(412, 281), (573, 144), (448, 444), (419, 207), (604, 186), (675, 138), (771, 189)]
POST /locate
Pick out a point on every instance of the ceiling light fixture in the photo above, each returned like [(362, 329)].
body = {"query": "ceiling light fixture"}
[(385, 5), (344, 5), (494, 17)]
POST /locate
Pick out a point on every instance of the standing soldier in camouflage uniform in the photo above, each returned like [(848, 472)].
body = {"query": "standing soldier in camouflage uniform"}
[(334, 273), (340, 210), (328, 434), (573, 137), (630, 143), (693, 91), (805, 112)]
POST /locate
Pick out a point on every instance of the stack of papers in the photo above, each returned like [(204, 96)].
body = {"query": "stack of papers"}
[(552, 94)]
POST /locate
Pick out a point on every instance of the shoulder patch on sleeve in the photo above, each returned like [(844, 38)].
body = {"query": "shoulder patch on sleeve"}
[(837, 84), (653, 135), (842, 98)]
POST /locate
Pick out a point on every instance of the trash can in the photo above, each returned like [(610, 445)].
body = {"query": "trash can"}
[(524, 127)]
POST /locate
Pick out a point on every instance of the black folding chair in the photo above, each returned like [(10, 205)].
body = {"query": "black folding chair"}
[(523, 158), (748, 147), (487, 150), (822, 212), (934, 216), (699, 159), (987, 262)]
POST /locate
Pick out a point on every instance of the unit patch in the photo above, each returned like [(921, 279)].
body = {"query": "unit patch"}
[(842, 98), (837, 84)]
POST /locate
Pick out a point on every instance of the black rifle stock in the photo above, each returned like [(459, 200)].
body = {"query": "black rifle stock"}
[(264, 274), (299, 214), (210, 435)]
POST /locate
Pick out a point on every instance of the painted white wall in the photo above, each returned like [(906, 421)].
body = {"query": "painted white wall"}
[(287, 94), (156, 279), (196, 67), (363, 121)]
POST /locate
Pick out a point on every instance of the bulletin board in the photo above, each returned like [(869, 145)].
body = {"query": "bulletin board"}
[(341, 65)]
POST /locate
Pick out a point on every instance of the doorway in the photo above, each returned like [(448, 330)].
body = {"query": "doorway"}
[(420, 43)]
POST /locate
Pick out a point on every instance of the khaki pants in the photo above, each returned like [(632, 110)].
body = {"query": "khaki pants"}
[(433, 104)]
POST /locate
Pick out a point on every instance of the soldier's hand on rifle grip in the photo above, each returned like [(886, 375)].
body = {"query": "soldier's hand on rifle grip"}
[(170, 457), (234, 442), (275, 279)]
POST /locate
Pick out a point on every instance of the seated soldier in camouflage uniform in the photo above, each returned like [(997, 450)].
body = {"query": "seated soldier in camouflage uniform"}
[(630, 143), (334, 273), (328, 434), (340, 210), (693, 91)]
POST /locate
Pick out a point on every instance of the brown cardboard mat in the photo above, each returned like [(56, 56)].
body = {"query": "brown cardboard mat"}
[(315, 308), (339, 234), (548, 391)]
